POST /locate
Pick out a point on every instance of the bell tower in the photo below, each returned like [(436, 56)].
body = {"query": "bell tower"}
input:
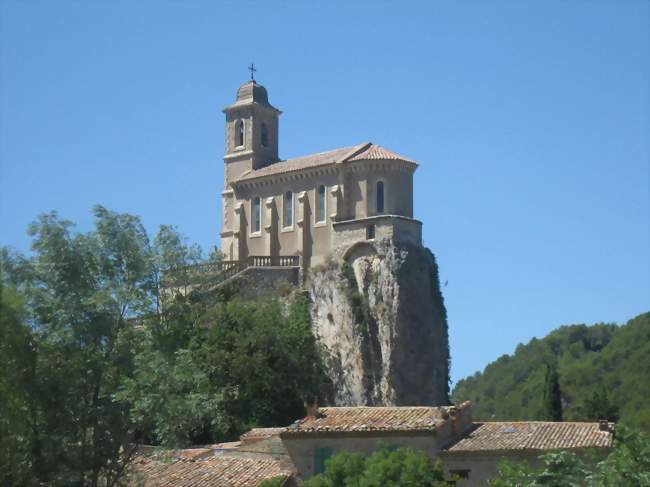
[(251, 143), (251, 132)]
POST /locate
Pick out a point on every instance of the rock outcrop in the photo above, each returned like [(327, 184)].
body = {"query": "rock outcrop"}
[(380, 315)]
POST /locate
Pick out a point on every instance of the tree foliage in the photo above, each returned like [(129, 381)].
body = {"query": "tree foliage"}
[(593, 362), (107, 340), (627, 464), (383, 468), (79, 292), (552, 395)]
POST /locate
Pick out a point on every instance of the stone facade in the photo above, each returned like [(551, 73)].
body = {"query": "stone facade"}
[(314, 206)]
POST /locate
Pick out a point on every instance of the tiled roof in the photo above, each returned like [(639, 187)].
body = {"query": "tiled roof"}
[(367, 419), (374, 152), (359, 152), (256, 433), (532, 435), (193, 453), (304, 162), (216, 471)]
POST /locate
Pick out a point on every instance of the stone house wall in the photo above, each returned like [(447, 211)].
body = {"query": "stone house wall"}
[(302, 449)]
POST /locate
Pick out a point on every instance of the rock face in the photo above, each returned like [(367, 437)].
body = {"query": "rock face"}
[(380, 315)]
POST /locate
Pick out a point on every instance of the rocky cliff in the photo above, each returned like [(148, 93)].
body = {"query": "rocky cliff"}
[(380, 315)]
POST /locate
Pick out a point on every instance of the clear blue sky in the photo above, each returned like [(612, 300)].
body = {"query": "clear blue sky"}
[(530, 121)]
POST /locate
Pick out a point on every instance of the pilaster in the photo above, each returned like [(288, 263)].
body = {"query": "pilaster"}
[(237, 233), (268, 225), (301, 215), (335, 191)]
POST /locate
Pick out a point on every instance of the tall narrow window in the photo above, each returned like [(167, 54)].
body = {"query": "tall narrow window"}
[(287, 207), (380, 196), (265, 136), (239, 133), (320, 204), (256, 215)]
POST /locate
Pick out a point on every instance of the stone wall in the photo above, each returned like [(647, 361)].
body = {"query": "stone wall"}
[(254, 282), (301, 449)]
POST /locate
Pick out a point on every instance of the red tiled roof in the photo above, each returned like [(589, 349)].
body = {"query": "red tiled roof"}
[(374, 152), (352, 419), (532, 435), (220, 471), (299, 163), (365, 151)]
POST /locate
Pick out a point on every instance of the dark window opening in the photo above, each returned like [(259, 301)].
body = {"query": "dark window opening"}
[(240, 133), (265, 136), (256, 216), (370, 232), (287, 216), (380, 196), (320, 204), (460, 473)]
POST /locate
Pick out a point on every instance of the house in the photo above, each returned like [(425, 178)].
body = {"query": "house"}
[(309, 207), (470, 451), (475, 455), (311, 441)]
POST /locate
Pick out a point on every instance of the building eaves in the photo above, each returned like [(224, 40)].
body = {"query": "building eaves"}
[(360, 152), (532, 435), (216, 471), (370, 419)]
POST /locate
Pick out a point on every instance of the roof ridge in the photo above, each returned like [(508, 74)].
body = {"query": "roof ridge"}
[(383, 407), (318, 153), (537, 422), (356, 150), (376, 151)]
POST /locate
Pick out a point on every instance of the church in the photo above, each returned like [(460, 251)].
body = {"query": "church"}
[(310, 207)]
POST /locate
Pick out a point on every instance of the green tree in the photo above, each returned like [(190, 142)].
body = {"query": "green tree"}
[(559, 469), (262, 356), (601, 357), (18, 424), (599, 406), (383, 468), (552, 395), (628, 464), (81, 293), (109, 339)]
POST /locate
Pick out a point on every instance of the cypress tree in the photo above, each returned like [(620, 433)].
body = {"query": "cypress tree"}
[(552, 395)]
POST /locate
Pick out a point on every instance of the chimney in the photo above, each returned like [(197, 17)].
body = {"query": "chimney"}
[(460, 417), (603, 425), (311, 407), (455, 417)]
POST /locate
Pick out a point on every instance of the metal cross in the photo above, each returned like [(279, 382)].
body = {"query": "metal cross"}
[(252, 69)]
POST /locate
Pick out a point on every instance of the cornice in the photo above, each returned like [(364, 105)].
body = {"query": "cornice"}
[(331, 168)]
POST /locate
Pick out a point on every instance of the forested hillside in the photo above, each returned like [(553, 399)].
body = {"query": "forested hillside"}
[(604, 371)]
